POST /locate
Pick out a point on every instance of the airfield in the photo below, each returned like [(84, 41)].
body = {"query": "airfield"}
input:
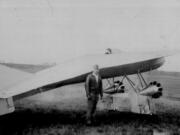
[(62, 112)]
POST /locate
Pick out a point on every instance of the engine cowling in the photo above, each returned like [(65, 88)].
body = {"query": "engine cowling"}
[(154, 90)]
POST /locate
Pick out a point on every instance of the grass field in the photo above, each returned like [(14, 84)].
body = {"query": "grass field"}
[(62, 112)]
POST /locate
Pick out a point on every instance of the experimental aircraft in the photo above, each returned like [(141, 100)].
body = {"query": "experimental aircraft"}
[(112, 64)]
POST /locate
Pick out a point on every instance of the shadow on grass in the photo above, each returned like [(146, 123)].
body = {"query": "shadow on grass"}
[(25, 121)]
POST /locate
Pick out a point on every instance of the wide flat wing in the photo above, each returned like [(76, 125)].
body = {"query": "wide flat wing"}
[(76, 69), (10, 77)]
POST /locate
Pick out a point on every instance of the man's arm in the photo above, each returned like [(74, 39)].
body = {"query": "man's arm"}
[(101, 89), (87, 86)]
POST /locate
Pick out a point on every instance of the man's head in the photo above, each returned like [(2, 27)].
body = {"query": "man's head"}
[(96, 69)]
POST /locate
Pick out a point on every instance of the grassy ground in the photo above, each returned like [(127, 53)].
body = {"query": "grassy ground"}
[(62, 112), (53, 120)]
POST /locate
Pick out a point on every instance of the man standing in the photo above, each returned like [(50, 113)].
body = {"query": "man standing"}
[(93, 87)]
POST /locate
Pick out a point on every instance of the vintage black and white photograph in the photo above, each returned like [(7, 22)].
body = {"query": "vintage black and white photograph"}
[(89, 67)]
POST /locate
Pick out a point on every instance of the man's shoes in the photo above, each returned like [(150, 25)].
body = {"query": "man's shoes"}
[(89, 123)]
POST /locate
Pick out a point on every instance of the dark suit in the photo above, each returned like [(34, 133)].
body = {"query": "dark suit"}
[(93, 89)]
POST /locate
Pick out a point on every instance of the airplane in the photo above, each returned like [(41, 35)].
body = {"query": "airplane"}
[(112, 63)]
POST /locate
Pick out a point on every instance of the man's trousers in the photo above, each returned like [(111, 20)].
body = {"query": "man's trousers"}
[(91, 107)]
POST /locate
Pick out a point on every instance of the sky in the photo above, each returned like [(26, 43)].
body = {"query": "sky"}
[(45, 31)]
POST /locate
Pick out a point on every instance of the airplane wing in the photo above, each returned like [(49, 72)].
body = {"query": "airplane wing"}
[(75, 71), (29, 68), (10, 77)]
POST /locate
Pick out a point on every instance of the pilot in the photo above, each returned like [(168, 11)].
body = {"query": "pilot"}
[(93, 87)]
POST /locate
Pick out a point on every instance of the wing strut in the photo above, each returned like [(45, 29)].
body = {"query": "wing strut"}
[(142, 80), (131, 83)]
